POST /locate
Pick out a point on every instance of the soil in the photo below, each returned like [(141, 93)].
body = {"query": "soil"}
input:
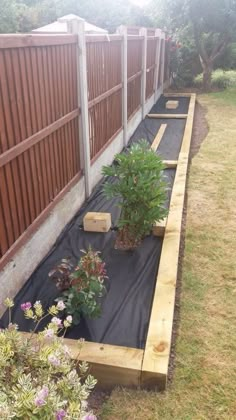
[(200, 130), (125, 241)]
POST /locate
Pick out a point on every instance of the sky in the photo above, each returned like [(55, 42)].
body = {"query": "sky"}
[(140, 3)]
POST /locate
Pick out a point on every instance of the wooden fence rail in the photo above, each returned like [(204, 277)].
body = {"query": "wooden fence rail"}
[(40, 120)]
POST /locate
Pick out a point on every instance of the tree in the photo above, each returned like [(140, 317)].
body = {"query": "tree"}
[(211, 25), (25, 15)]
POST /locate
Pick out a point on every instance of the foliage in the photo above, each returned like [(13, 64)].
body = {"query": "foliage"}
[(25, 15), (38, 377), (140, 188), (82, 286), (220, 79), (212, 28), (184, 64)]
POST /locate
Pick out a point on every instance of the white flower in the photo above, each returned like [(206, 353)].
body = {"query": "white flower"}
[(69, 319), (61, 305), (56, 321), (66, 351)]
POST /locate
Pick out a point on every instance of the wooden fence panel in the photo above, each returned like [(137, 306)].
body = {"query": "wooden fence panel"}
[(160, 62), (39, 110), (134, 69), (104, 91), (151, 57), (39, 144), (167, 61)]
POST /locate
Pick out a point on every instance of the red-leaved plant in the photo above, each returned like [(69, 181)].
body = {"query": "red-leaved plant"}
[(82, 286)]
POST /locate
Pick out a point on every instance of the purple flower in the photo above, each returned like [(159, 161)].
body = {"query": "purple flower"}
[(53, 360), (56, 321), (60, 414), (25, 306), (39, 402), (89, 416), (43, 393), (49, 333)]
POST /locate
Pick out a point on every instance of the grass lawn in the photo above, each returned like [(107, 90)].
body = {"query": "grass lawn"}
[(204, 384)]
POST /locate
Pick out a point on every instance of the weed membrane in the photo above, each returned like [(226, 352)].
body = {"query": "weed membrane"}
[(132, 274)]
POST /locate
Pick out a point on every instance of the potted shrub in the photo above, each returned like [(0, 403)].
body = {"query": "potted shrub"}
[(142, 192), (81, 286), (38, 377)]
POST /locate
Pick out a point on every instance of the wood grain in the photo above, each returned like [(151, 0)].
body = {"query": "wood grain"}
[(158, 344), (158, 137), (168, 116)]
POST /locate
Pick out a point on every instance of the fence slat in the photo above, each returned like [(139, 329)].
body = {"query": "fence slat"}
[(39, 140), (63, 97)]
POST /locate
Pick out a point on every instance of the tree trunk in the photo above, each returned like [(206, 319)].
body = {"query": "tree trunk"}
[(207, 73)]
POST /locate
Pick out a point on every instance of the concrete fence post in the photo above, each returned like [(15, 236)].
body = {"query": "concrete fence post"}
[(122, 30), (157, 62), (76, 26), (163, 60), (143, 32)]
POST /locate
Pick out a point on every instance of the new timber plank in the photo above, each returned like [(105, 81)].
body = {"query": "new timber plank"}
[(170, 164), (158, 344), (172, 104), (178, 95), (158, 137), (168, 116), (110, 365)]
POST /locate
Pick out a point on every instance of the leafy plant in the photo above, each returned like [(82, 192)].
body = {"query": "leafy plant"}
[(38, 377), (82, 286), (141, 189), (220, 79)]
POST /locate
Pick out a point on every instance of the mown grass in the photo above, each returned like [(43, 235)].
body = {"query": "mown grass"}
[(205, 377)]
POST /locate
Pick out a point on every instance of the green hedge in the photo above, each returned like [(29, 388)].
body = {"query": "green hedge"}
[(220, 79)]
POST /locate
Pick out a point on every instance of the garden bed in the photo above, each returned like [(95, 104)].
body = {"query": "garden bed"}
[(130, 343)]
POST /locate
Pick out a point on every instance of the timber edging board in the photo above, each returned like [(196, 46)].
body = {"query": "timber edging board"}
[(158, 343), (125, 366), (168, 116), (158, 137)]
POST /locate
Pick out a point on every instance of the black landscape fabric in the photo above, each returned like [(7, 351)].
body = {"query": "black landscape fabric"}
[(132, 274)]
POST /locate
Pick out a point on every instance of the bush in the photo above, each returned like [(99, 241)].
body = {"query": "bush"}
[(82, 285), (141, 189), (220, 79), (38, 377), (184, 66)]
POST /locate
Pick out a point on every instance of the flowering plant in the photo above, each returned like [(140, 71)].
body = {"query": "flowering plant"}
[(38, 377), (82, 286)]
